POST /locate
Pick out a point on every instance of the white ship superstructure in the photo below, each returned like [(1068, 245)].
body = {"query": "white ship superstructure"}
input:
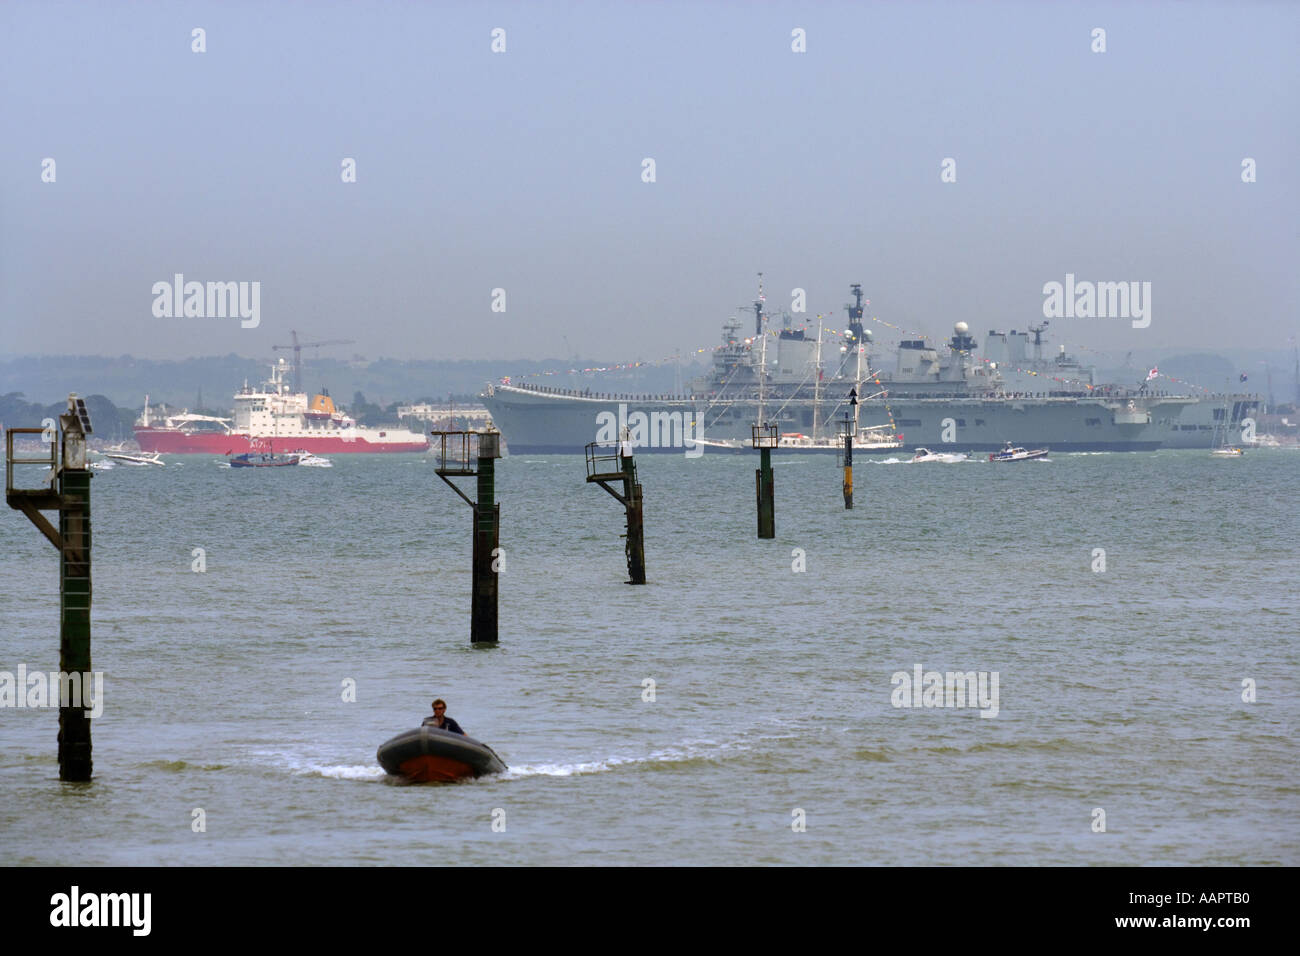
[(272, 417)]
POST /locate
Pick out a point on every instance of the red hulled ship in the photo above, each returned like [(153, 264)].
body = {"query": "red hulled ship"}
[(269, 419)]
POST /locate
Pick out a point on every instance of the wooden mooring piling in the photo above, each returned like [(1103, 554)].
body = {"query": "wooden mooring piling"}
[(848, 428), (67, 491), (765, 438), (474, 454), (606, 464)]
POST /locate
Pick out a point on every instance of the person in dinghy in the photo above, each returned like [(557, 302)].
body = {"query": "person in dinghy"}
[(441, 720), (422, 756)]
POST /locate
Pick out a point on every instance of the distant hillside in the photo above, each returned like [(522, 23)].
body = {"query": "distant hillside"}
[(108, 421), (125, 380)]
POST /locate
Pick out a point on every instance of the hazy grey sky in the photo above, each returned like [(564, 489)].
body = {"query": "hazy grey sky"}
[(522, 170)]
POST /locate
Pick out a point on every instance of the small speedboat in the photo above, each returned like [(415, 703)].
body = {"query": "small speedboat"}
[(429, 754), (721, 444), (259, 460), (308, 460), (1011, 452), (127, 459), (1227, 452), (924, 454)]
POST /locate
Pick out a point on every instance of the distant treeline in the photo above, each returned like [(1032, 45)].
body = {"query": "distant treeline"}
[(207, 384), (108, 421), (126, 380)]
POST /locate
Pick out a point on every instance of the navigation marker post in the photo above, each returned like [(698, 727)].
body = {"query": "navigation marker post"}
[(849, 429), (620, 466), (471, 453), (72, 539), (765, 438), (846, 431)]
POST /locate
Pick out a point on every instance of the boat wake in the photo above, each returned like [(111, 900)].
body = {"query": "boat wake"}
[(704, 751), (302, 768), (690, 751), (316, 765), (948, 459), (344, 772), (376, 772)]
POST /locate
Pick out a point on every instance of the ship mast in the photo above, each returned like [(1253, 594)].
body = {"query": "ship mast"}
[(817, 382), (857, 388), (855, 329), (762, 351), (1295, 351), (855, 312), (1037, 331)]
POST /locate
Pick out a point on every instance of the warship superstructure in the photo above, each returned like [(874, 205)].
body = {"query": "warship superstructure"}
[(941, 398), (1023, 366)]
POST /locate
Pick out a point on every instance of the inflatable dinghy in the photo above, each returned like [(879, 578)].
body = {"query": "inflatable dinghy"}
[(429, 754)]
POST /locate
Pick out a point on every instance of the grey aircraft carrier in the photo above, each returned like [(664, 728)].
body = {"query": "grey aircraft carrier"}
[(934, 397)]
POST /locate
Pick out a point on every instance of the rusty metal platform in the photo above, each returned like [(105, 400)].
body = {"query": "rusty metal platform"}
[(459, 451)]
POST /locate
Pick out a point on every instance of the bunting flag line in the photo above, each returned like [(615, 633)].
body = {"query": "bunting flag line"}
[(667, 360), (690, 355)]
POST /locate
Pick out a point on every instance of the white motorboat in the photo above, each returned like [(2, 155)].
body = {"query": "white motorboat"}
[(128, 459), (924, 455), (1011, 452)]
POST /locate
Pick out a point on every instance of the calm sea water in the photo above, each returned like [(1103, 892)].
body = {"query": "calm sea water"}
[(1119, 690)]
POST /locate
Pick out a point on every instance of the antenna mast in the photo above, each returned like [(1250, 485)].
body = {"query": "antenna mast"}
[(762, 351), (817, 382), (1296, 352), (1038, 330), (857, 389), (855, 312)]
